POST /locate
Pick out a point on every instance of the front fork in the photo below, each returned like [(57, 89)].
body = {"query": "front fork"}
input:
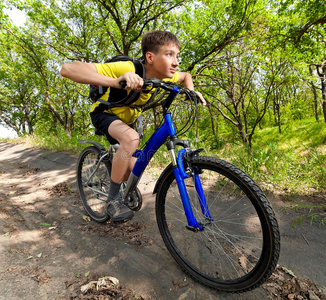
[(180, 175)]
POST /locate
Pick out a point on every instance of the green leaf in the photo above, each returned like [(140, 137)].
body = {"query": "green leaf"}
[(86, 274), (46, 224)]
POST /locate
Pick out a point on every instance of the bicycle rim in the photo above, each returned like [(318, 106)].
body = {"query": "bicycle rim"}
[(238, 249), (93, 188)]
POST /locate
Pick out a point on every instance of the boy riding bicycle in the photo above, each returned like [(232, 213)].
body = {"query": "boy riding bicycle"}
[(161, 52)]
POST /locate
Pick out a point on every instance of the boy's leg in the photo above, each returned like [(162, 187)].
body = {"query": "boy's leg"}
[(123, 161), (121, 165)]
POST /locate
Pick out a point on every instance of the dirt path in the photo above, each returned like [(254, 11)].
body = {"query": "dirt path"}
[(49, 249)]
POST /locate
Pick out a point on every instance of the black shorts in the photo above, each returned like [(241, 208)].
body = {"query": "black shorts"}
[(102, 121)]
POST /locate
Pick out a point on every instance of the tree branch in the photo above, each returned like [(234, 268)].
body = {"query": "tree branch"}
[(305, 28)]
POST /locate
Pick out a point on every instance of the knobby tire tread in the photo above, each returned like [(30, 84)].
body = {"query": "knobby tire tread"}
[(229, 169)]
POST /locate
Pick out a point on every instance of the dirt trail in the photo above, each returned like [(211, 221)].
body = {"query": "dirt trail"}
[(49, 249)]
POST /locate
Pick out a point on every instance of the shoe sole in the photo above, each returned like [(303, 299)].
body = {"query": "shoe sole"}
[(121, 221)]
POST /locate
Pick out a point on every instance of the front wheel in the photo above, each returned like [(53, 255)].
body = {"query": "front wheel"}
[(93, 178), (238, 246)]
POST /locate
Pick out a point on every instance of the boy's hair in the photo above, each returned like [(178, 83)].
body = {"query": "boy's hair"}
[(153, 40)]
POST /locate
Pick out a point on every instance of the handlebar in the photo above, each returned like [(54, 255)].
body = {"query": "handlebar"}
[(173, 90), (154, 83), (165, 85)]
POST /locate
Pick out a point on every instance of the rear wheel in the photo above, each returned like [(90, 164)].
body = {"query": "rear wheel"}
[(238, 247), (94, 185)]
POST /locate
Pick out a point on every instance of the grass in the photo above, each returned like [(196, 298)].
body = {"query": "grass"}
[(58, 142), (293, 161)]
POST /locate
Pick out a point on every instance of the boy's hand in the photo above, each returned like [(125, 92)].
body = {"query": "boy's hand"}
[(134, 82), (200, 96), (186, 79)]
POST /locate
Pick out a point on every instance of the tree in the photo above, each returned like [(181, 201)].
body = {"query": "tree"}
[(125, 30), (238, 51), (304, 26), (321, 73), (241, 84), (18, 92)]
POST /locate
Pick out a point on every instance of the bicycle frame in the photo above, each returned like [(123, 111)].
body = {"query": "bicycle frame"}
[(165, 131)]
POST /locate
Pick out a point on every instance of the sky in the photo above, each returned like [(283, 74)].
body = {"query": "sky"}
[(18, 18)]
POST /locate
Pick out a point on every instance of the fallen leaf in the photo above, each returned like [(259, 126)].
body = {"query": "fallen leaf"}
[(6, 234), (29, 257), (114, 280), (46, 224), (179, 283), (86, 218), (288, 271), (88, 286), (40, 276)]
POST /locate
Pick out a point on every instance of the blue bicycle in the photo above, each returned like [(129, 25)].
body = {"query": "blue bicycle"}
[(214, 219)]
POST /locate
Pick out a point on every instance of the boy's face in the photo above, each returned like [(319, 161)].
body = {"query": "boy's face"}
[(165, 63)]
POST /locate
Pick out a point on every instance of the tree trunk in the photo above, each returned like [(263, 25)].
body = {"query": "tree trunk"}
[(314, 91), (54, 111), (322, 76), (212, 120), (323, 88), (277, 107), (242, 131)]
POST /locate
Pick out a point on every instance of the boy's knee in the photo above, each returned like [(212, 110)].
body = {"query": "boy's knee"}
[(130, 140), (134, 142)]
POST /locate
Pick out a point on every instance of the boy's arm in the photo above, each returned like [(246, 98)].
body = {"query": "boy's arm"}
[(186, 79), (87, 73)]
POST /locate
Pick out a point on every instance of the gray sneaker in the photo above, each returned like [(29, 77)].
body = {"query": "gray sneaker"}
[(118, 212)]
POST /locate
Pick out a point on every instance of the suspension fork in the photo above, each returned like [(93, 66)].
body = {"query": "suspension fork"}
[(186, 155), (201, 195), (180, 175)]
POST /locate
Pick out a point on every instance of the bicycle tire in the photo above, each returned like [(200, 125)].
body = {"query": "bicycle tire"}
[(239, 249), (90, 193)]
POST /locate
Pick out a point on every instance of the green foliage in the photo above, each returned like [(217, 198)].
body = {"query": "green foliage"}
[(48, 137), (294, 161)]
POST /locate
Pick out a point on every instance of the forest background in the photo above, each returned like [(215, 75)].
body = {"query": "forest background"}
[(261, 66)]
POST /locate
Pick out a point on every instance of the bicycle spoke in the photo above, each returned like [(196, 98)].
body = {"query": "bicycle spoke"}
[(93, 182)]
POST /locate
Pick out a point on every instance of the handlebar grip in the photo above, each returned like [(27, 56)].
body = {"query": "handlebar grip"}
[(122, 84)]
